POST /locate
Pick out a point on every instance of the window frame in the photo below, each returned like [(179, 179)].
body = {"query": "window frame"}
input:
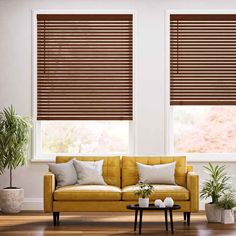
[(37, 156), (169, 122)]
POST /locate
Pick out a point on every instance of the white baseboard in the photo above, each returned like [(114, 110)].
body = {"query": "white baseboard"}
[(202, 206), (33, 204)]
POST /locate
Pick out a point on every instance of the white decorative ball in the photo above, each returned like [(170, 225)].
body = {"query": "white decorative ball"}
[(162, 205), (169, 202), (158, 202)]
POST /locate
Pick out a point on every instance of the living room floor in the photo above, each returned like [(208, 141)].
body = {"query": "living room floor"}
[(112, 223)]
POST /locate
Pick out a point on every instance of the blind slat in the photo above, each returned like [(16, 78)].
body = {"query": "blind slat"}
[(84, 67), (202, 59)]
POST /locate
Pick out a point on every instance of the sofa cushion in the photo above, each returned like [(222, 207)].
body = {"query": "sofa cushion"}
[(89, 172), (130, 171), (87, 193), (178, 193), (65, 173), (157, 174), (110, 169)]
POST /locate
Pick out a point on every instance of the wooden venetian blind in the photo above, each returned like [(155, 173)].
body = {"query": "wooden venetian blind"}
[(84, 67), (202, 59)]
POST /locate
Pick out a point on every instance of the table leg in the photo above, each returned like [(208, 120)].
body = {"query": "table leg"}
[(140, 221), (166, 219), (135, 220), (171, 221)]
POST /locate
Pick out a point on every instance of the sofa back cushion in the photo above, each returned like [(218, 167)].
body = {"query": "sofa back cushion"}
[(111, 166), (130, 171)]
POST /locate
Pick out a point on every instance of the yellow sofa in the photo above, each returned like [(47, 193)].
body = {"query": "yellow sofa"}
[(121, 176)]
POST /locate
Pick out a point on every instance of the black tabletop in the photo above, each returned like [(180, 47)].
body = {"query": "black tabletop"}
[(152, 207)]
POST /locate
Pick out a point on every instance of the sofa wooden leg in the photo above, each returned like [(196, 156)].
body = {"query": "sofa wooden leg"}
[(58, 218), (185, 215), (188, 218), (54, 218)]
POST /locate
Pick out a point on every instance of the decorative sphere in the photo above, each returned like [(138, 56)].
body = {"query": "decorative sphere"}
[(162, 205), (158, 202), (169, 202)]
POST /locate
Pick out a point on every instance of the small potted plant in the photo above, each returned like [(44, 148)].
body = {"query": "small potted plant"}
[(227, 203), (214, 187), (144, 191), (14, 139)]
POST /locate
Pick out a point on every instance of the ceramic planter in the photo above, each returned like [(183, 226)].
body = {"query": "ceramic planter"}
[(213, 213), (227, 216), (11, 200), (143, 202)]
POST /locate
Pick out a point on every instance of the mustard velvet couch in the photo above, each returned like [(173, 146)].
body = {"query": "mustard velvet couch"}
[(121, 176)]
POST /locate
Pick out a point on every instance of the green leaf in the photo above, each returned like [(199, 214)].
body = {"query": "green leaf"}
[(14, 139), (217, 184)]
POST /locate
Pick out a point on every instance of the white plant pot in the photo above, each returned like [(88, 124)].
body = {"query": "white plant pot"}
[(11, 200), (213, 213), (227, 216), (143, 202)]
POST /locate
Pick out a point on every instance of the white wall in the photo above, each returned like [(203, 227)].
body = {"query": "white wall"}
[(16, 66)]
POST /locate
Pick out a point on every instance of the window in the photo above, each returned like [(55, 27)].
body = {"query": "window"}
[(84, 83), (204, 129), (85, 137), (202, 82)]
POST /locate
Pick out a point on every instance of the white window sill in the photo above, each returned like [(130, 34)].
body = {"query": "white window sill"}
[(210, 157), (191, 158), (44, 158)]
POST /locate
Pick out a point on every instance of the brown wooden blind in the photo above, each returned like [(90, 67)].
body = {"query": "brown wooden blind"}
[(84, 67), (202, 59)]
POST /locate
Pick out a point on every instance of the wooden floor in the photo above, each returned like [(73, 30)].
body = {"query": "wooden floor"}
[(39, 224)]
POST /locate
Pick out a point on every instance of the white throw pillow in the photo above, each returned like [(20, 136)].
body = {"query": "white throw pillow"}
[(157, 174), (65, 173), (89, 172)]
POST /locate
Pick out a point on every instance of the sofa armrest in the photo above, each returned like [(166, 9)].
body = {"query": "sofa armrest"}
[(193, 187), (49, 188)]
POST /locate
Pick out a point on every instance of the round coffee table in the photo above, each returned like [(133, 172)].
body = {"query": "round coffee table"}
[(152, 207)]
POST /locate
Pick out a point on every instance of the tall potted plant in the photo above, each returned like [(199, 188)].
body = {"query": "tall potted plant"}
[(214, 188), (14, 139)]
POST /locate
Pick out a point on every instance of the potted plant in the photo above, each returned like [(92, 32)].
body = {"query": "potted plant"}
[(14, 139), (144, 191), (214, 188), (227, 203)]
